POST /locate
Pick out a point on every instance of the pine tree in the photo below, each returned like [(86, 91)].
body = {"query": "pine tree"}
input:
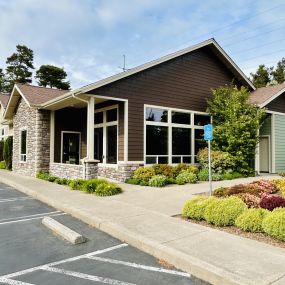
[(19, 66), (279, 72), (52, 76), (261, 77)]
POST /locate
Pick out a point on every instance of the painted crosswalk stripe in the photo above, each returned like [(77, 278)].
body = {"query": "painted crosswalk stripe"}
[(13, 282), (139, 266), (29, 216), (15, 199), (86, 276), (71, 259), (30, 219)]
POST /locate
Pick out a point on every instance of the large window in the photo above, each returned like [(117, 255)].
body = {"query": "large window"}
[(23, 145), (70, 147), (106, 135), (173, 136)]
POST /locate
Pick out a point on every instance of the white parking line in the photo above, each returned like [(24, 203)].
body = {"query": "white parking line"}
[(13, 282), (15, 199), (140, 266), (86, 276), (30, 270), (30, 219), (29, 216)]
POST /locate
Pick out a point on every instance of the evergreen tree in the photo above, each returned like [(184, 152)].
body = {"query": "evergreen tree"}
[(52, 76), (3, 85), (19, 66), (261, 77), (279, 72)]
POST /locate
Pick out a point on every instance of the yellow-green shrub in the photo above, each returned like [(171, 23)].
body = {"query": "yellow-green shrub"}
[(251, 220), (224, 212), (144, 173), (280, 183), (195, 208), (274, 224)]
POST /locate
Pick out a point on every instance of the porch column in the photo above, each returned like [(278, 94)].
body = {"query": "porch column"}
[(52, 124), (90, 128)]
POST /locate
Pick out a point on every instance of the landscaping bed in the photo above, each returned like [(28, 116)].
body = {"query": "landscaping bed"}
[(99, 187), (255, 210)]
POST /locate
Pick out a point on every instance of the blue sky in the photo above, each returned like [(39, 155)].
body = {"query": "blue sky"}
[(89, 37)]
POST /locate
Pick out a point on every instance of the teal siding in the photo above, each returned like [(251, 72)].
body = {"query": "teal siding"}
[(265, 130), (279, 143)]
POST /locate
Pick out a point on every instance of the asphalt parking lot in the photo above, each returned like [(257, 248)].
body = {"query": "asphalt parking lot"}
[(31, 254)]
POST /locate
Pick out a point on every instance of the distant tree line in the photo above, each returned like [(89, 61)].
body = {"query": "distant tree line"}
[(19, 69), (266, 76)]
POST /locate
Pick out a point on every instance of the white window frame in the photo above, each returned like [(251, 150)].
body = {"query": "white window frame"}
[(61, 149), (104, 125), (23, 157), (171, 125)]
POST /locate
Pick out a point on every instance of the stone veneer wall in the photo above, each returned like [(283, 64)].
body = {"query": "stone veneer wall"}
[(37, 124), (121, 172), (68, 171)]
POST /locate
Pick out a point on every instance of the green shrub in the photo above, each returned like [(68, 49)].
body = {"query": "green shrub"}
[(224, 212), (90, 186), (221, 161), (133, 181), (8, 152), (217, 177), (143, 183), (61, 181), (144, 173), (251, 220), (274, 224), (44, 175), (2, 164), (203, 175), (107, 189), (192, 169), (221, 192), (195, 208), (76, 184), (177, 169), (186, 177), (158, 181), (1, 150), (163, 169), (171, 180)]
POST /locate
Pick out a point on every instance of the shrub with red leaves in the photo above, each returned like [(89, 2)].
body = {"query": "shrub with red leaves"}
[(250, 200), (266, 186), (271, 202), (244, 188)]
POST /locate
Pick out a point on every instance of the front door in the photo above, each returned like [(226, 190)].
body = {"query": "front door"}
[(264, 154), (70, 147)]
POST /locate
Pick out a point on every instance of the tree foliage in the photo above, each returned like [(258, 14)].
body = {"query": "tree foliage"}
[(279, 72), (19, 66), (261, 77), (2, 81), (52, 76), (236, 124)]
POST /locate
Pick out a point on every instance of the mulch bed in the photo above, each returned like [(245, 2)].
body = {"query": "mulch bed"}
[(236, 231)]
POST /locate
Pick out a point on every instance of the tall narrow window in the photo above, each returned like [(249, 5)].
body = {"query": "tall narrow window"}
[(70, 147), (23, 153)]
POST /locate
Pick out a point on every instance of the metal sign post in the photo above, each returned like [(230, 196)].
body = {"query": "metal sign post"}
[(208, 135)]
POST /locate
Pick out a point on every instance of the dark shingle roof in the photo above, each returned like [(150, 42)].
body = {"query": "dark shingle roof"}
[(261, 95), (37, 95)]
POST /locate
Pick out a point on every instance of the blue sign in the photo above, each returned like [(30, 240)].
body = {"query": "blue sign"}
[(208, 132)]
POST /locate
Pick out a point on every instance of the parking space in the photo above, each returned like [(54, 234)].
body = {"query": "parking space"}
[(31, 254)]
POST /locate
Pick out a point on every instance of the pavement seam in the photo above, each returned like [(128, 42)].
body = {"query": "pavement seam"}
[(279, 278), (190, 235)]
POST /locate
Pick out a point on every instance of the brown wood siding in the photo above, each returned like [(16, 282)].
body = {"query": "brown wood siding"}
[(277, 105), (73, 120), (184, 82)]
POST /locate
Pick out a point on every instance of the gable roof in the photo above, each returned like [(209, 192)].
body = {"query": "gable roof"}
[(215, 47), (264, 95), (4, 98)]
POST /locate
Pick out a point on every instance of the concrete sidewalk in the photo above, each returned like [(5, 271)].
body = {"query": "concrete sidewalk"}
[(142, 218)]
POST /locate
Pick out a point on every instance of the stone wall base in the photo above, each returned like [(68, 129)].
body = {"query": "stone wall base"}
[(68, 171)]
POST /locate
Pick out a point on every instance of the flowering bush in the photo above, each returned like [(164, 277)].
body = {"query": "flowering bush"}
[(186, 177), (271, 202), (244, 188), (250, 200), (266, 186)]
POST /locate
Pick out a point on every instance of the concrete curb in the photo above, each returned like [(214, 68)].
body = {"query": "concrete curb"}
[(192, 265), (63, 231)]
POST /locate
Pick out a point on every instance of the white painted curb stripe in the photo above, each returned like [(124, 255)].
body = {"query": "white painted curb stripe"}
[(29, 216), (65, 232), (13, 282), (86, 276), (30, 270), (140, 266), (15, 199), (29, 219)]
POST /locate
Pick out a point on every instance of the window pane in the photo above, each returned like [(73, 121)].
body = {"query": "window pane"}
[(181, 118), (98, 144), (187, 159), (181, 141), (24, 142), (163, 159), (151, 160), (112, 144), (71, 148), (156, 140), (201, 120), (112, 115), (176, 159), (199, 140), (99, 118), (156, 115)]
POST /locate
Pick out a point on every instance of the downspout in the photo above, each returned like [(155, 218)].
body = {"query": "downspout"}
[(87, 102)]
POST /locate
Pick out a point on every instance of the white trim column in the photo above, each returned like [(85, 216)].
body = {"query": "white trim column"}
[(273, 143), (257, 158), (126, 131), (52, 130), (90, 128)]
